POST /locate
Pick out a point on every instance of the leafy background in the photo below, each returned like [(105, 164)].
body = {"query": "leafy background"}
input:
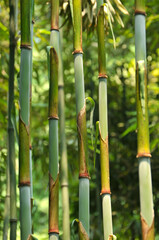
[(121, 110)]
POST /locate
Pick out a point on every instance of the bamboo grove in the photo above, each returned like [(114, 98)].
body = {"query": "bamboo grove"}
[(59, 194)]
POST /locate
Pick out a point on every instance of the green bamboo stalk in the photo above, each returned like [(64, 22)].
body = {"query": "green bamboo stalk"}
[(81, 117), (143, 148), (53, 147), (11, 140), (53, 123), (63, 151), (7, 203), (10, 205), (103, 125), (24, 120), (31, 67)]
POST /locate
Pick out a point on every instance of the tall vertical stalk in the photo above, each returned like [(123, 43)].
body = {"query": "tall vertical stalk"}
[(53, 123), (143, 148), (63, 151), (24, 120), (31, 67), (10, 203), (11, 136), (103, 125), (7, 202), (81, 117)]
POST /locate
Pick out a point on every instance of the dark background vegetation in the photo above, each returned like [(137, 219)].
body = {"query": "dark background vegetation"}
[(121, 110)]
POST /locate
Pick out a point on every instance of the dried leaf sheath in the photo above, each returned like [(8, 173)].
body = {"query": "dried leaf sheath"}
[(24, 174), (54, 204), (105, 180), (147, 232), (82, 138), (82, 232)]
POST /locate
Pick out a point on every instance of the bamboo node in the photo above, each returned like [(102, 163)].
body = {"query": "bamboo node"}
[(105, 191), (24, 183), (10, 129), (26, 46), (103, 75), (143, 155), (138, 12), (13, 220), (77, 51), (53, 117), (60, 86), (84, 175), (64, 185), (54, 29), (54, 231)]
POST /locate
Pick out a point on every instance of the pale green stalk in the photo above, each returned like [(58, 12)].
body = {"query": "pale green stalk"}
[(103, 125), (143, 146), (53, 123), (11, 113), (7, 203), (84, 205), (24, 121), (63, 151)]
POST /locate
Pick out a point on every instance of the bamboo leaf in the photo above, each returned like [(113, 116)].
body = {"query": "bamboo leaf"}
[(121, 7), (119, 20), (44, 31), (48, 59), (154, 143), (107, 12), (111, 7), (13, 120), (71, 7), (129, 129)]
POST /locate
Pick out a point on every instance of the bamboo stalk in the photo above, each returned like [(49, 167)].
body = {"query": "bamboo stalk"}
[(143, 148), (53, 123), (11, 140), (10, 205), (81, 117), (31, 67), (53, 147), (103, 125), (63, 151), (7, 203), (24, 120)]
